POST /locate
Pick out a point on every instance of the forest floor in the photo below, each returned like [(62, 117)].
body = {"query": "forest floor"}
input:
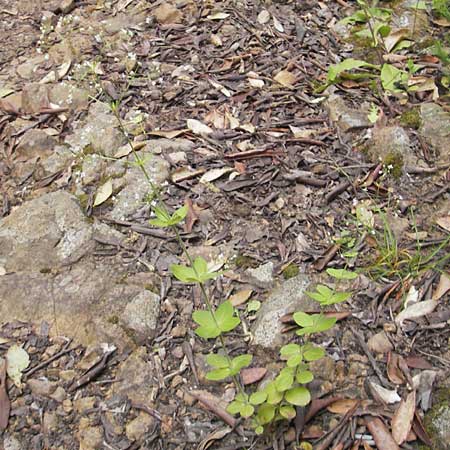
[(287, 168)]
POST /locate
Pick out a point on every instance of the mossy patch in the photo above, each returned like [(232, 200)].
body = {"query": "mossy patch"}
[(411, 119), (290, 271), (394, 162), (437, 418), (245, 262)]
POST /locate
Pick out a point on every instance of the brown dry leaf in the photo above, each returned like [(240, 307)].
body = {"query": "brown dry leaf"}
[(217, 119), (386, 395), (5, 404), (103, 193), (383, 439), (168, 134), (215, 174), (191, 216), (403, 418), (198, 127), (285, 78), (443, 286), (252, 375), (218, 16), (395, 37), (416, 311), (394, 373), (444, 222), (240, 297), (342, 406), (215, 435), (185, 173)]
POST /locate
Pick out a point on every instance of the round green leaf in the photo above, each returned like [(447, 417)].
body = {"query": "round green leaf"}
[(258, 397), (288, 412), (247, 410), (298, 396), (304, 376), (266, 413), (314, 353)]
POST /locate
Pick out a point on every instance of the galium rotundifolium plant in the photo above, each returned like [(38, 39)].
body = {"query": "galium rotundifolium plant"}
[(278, 398)]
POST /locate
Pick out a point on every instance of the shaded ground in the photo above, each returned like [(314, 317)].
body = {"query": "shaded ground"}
[(283, 179)]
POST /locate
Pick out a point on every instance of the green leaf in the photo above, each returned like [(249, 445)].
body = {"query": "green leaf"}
[(266, 413), (288, 412), (289, 350), (234, 407), (225, 317), (180, 214), (317, 323), (347, 64), (342, 274), (239, 363), (284, 380), (313, 353), (218, 374), (164, 219), (259, 429), (304, 376), (298, 396), (303, 319), (183, 273), (392, 78), (253, 305), (208, 328), (273, 396), (247, 410), (258, 397), (217, 361)]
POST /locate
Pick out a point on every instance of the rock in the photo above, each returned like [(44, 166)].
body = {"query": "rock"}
[(99, 130), (28, 68), (41, 386), (261, 276), (58, 160), (68, 96), (35, 143), (137, 377), (92, 169), (50, 421), (167, 13), (323, 368), (407, 16), (347, 119), (50, 231), (141, 316), (139, 427), (379, 343), (169, 146), (67, 6), (11, 442), (435, 128), (392, 146), (34, 98), (287, 298), (83, 404), (122, 21), (437, 420), (90, 437), (59, 395), (136, 186)]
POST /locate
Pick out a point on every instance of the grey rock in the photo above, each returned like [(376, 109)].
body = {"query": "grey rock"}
[(141, 315), (169, 145), (34, 143), (437, 420), (41, 386), (137, 377), (391, 144), (435, 128), (48, 232), (286, 298), (11, 442), (262, 276), (99, 130), (34, 98), (66, 6), (92, 169), (136, 186), (347, 119), (68, 96), (407, 16), (60, 158)]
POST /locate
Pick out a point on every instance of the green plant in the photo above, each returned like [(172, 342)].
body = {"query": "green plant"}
[(442, 8)]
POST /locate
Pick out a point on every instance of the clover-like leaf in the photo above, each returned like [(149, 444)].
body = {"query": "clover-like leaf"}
[(288, 412), (258, 397), (217, 361), (273, 395), (342, 274), (247, 410), (239, 362), (266, 413), (185, 274), (208, 328), (218, 374), (313, 323), (226, 320), (285, 379), (312, 352), (293, 354), (164, 219), (299, 396), (304, 376)]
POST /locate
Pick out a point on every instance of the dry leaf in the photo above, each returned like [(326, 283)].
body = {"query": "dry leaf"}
[(240, 297), (198, 127), (285, 78), (423, 382), (342, 406), (216, 40), (218, 16), (214, 174), (256, 82), (302, 132), (5, 405), (250, 128), (17, 360), (185, 173), (403, 418), (443, 286), (278, 25), (444, 222), (263, 17), (103, 193), (4, 92), (385, 395), (394, 37), (394, 373), (383, 439), (167, 134), (416, 310), (252, 375)]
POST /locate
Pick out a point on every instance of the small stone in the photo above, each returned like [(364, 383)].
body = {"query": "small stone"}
[(178, 352), (67, 405), (178, 157), (379, 343), (41, 386), (139, 427), (34, 98), (176, 381), (323, 368), (141, 315), (59, 395), (67, 375), (50, 421), (167, 13), (84, 404), (262, 275), (179, 331), (35, 143), (67, 6), (91, 438)]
